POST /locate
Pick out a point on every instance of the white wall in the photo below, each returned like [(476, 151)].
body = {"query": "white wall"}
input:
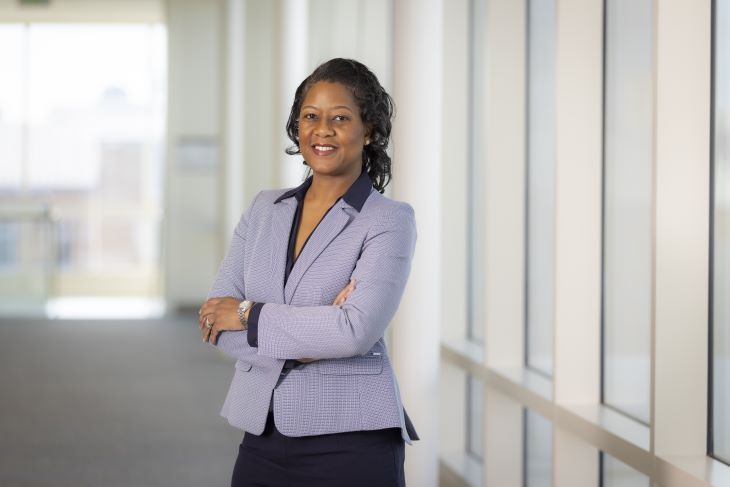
[(192, 236), (83, 11)]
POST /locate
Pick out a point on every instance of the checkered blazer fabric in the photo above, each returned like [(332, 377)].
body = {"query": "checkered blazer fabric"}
[(350, 385)]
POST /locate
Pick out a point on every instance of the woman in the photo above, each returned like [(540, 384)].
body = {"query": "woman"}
[(302, 299)]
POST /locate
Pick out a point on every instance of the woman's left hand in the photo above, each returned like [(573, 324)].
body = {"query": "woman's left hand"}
[(222, 315)]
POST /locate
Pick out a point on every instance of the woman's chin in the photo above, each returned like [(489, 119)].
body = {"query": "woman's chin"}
[(328, 170)]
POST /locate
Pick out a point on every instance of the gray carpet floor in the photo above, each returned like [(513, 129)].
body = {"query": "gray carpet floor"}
[(112, 403)]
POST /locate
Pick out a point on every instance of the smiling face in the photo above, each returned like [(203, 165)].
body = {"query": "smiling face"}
[(331, 132)]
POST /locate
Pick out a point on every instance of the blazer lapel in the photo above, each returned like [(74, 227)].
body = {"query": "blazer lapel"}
[(331, 226), (282, 218)]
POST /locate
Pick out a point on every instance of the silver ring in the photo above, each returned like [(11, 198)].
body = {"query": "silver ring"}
[(208, 324)]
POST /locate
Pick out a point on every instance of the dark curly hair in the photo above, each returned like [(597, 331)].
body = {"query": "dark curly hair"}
[(376, 110)]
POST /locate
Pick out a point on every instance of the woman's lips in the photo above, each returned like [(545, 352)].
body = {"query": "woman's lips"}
[(323, 149)]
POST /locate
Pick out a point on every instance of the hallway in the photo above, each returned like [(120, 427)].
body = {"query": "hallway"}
[(113, 403), (566, 320)]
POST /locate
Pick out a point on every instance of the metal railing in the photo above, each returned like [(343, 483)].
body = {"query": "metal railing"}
[(28, 257)]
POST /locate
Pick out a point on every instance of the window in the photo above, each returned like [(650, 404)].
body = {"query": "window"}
[(82, 111), (538, 450), (475, 229), (475, 205), (8, 247), (720, 373), (615, 473), (460, 444), (540, 231), (11, 105), (474, 417), (627, 206)]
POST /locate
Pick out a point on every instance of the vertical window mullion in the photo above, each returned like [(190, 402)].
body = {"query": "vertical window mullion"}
[(719, 373), (540, 187)]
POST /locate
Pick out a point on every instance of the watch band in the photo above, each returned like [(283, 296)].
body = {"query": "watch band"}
[(245, 305)]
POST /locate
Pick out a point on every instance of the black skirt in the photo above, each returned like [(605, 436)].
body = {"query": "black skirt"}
[(352, 459)]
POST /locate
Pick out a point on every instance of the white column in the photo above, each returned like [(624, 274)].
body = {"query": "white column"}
[(195, 117), (234, 110), (578, 204), (503, 139), (294, 56), (504, 429), (417, 179), (263, 140), (577, 357), (575, 462), (682, 228), (454, 215), (504, 184)]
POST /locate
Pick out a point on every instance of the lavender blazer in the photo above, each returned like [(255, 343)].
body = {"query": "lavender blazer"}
[(350, 385)]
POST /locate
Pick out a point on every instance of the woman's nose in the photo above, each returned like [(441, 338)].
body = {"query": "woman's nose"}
[(323, 128)]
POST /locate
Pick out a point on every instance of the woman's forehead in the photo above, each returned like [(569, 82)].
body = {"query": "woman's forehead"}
[(327, 94)]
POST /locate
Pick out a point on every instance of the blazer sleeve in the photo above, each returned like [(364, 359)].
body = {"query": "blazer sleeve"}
[(229, 280), (381, 273)]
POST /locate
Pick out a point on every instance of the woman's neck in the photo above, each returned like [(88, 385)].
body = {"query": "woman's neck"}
[(326, 189)]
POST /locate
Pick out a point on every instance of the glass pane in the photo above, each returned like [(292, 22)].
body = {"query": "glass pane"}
[(95, 133), (12, 58), (475, 418), (455, 440), (475, 228), (721, 274), (538, 450), (618, 474), (8, 248), (540, 265), (628, 195)]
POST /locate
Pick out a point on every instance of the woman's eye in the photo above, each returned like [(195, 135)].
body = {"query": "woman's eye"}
[(309, 116), (341, 118)]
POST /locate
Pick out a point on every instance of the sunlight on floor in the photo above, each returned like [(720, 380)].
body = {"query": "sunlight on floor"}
[(105, 308)]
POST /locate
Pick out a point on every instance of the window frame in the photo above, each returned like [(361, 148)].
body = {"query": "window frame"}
[(526, 219), (711, 260), (603, 324)]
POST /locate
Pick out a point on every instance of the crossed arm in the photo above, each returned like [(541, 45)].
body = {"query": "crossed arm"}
[(222, 315), (361, 311)]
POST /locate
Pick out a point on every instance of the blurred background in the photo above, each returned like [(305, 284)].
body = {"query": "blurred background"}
[(566, 322)]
